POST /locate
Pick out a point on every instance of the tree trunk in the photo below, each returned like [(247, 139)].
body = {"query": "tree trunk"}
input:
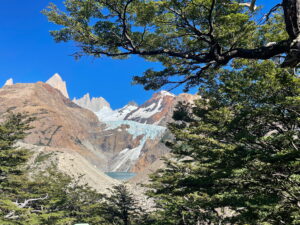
[(291, 10)]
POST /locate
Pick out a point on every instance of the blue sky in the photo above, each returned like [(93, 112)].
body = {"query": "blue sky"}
[(29, 54)]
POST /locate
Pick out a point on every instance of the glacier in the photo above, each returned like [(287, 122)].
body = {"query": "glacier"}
[(107, 114), (136, 129), (115, 119), (127, 157)]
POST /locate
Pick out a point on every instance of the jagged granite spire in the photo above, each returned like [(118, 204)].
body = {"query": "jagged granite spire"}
[(57, 82), (9, 82), (133, 103), (93, 104)]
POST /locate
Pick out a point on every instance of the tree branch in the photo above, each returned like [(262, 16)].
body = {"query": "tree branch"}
[(211, 28), (267, 16), (11, 215), (251, 5)]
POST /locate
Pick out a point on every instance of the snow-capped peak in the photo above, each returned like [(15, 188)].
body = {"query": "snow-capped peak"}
[(106, 114), (166, 93), (133, 103), (152, 111)]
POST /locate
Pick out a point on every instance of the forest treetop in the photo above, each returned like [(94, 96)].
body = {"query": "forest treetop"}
[(188, 37)]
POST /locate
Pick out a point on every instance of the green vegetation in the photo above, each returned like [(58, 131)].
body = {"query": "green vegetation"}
[(12, 130), (120, 207), (41, 157), (51, 197), (47, 197), (190, 38), (236, 152)]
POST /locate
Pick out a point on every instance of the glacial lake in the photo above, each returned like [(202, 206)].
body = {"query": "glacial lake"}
[(120, 175)]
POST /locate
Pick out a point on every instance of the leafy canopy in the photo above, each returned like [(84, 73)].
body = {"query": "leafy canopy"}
[(121, 207), (190, 38), (39, 197), (236, 151), (12, 129)]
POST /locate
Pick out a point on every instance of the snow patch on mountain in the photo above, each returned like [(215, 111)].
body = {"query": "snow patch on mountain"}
[(107, 114), (139, 121), (147, 112), (166, 93)]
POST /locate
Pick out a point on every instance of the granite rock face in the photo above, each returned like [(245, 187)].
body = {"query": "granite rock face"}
[(57, 82), (59, 122), (9, 82), (126, 139), (134, 132), (156, 111), (93, 104), (62, 124)]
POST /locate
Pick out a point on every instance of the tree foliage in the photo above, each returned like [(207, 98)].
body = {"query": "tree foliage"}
[(13, 129), (51, 197), (236, 151), (45, 197), (190, 38), (121, 208)]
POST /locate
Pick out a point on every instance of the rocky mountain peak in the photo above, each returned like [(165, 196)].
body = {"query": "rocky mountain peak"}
[(159, 109), (87, 96), (125, 139), (162, 94), (132, 103), (57, 82), (9, 82), (93, 104)]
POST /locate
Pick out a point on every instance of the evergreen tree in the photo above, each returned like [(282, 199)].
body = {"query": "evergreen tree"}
[(50, 197), (12, 129), (67, 201), (121, 208), (188, 37), (236, 152), (45, 197)]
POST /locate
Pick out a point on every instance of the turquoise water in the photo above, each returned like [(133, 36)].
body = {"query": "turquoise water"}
[(120, 175)]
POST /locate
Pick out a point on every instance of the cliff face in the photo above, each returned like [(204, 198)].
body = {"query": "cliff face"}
[(126, 157), (132, 137), (159, 109), (154, 110), (59, 122), (93, 104), (57, 82), (126, 139), (9, 82)]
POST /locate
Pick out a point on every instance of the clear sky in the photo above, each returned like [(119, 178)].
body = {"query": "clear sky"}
[(29, 54)]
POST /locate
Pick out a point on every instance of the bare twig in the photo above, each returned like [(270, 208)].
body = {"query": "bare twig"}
[(11, 215)]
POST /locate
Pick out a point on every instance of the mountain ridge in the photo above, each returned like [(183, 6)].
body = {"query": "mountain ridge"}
[(121, 140)]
